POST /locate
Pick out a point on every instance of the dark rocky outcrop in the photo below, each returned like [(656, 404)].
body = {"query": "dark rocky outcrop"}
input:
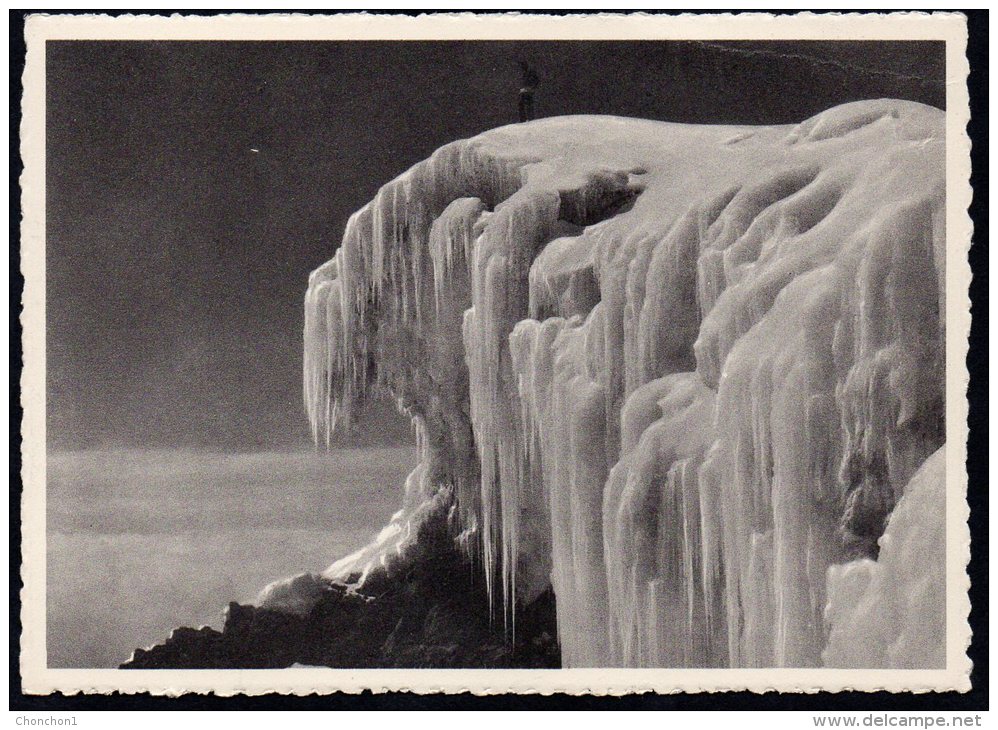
[(427, 610)]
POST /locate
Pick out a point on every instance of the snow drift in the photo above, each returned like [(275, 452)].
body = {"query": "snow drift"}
[(680, 373)]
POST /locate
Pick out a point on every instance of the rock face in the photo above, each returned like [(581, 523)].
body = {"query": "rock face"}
[(675, 373), (427, 610)]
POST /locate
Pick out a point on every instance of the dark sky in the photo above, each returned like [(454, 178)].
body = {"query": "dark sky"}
[(177, 258)]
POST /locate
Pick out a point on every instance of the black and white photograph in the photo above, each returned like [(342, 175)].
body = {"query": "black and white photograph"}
[(425, 352)]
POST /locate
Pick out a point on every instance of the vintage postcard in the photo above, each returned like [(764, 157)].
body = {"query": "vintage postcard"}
[(495, 353)]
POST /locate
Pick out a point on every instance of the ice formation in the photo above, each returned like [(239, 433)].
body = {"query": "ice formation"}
[(893, 610), (677, 372)]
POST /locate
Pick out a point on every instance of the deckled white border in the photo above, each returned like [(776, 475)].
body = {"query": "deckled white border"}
[(950, 27)]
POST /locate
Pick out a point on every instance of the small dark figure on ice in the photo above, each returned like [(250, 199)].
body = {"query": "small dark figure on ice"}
[(527, 87)]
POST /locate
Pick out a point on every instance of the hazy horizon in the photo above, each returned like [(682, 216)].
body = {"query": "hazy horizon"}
[(143, 541)]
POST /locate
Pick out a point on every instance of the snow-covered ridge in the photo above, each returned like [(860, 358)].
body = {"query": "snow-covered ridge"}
[(677, 372)]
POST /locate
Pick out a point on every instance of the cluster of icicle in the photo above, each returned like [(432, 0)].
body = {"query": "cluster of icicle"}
[(678, 373)]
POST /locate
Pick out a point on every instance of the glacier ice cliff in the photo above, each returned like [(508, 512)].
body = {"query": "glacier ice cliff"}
[(682, 374)]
